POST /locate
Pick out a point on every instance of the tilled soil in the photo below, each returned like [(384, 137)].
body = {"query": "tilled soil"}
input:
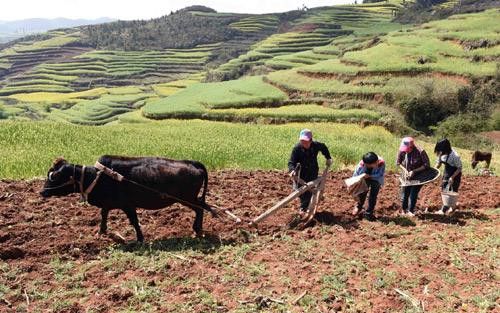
[(34, 231)]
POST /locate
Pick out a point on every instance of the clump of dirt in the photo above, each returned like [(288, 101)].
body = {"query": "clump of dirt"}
[(11, 253)]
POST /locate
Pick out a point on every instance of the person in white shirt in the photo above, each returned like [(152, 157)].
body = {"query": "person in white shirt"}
[(452, 175)]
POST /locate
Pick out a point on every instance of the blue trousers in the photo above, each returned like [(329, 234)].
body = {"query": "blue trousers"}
[(409, 196)]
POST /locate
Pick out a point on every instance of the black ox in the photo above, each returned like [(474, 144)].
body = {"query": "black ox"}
[(150, 183)]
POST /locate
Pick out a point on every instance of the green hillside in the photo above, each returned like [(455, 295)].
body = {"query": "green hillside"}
[(348, 64)]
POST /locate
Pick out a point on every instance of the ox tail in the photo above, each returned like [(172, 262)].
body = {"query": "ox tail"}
[(205, 181), (201, 199)]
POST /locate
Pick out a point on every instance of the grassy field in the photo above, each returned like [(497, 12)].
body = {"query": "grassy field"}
[(216, 144), (96, 106), (195, 99), (256, 23), (363, 86), (295, 113)]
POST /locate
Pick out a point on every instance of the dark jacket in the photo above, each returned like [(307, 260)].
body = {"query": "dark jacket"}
[(308, 159), (414, 159)]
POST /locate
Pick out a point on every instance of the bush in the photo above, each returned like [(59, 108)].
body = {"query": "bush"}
[(428, 109), (485, 97), (3, 114), (422, 113), (463, 130), (495, 121), (464, 96)]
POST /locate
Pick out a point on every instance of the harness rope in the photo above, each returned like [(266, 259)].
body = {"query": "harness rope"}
[(101, 169), (120, 178)]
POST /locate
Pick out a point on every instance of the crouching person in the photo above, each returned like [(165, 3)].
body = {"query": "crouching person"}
[(373, 169), (305, 153), (452, 168)]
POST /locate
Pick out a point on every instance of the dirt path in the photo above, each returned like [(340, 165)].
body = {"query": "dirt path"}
[(34, 233)]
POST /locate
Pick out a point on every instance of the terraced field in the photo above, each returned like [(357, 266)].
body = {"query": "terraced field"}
[(257, 24), (400, 62), (316, 29), (110, 68), (344, 64), (194, 100)]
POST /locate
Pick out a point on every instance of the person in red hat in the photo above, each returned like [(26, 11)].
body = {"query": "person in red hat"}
[(411, 159), (306, 153)]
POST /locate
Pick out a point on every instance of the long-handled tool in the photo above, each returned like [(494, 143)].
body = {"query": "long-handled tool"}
[(316, 187), (316, 198)]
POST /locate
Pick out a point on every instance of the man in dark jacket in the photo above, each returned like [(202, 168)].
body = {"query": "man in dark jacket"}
[(306, 153)]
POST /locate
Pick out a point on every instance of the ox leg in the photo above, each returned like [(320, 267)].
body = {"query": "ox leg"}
[(104, 221), (198, 221), (134, 221)]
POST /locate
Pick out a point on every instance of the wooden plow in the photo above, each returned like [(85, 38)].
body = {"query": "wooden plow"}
[(316, 186)]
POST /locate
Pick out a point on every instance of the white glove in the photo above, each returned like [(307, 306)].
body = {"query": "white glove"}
[(292, 174)]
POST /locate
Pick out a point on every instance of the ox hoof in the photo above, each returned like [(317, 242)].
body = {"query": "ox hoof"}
[(199, 234), (100, 233)]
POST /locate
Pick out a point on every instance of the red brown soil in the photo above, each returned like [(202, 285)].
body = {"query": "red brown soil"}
[(363, 75), (33, 231), (494, 136)]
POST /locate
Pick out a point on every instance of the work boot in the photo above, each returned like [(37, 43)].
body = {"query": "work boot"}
[(369, 216)]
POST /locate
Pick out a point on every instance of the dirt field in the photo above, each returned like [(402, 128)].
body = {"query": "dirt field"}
[(52, 261)]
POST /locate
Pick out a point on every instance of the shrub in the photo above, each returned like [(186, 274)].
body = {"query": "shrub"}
[(484, 98), (3, 114), (463, 130), (426, 110), (464, 96), (495, 123)]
